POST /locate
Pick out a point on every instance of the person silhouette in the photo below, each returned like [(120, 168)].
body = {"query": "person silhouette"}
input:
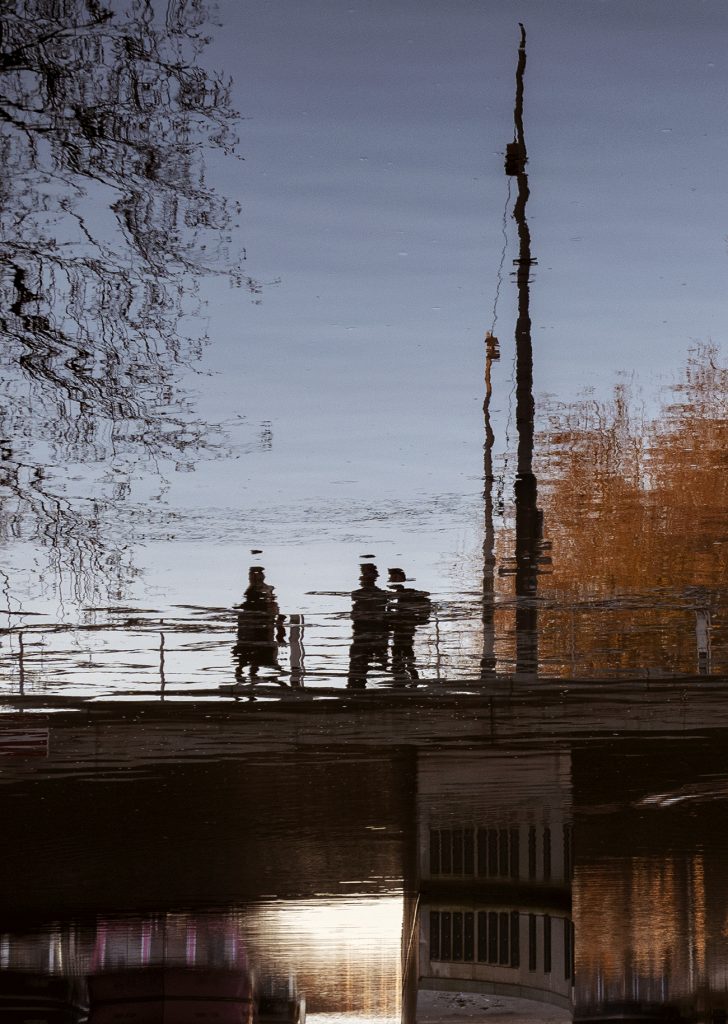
[(408, 609), (260, 627), (369, 626)]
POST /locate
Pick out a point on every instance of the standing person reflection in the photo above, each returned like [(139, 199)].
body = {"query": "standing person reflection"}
[(370, 628), (408, 609), (260, 628)]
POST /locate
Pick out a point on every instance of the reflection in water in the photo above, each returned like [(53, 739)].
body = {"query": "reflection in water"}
[(165, 967), (107, 220), (375, 615), (369, 627), (269, 963), (657, 909), (487, 660), (108, 120), (408, 609), (650, 890), (510, 857), (527, 516), (298, 651), (520, 883), (635, 577), (494, 854), (641, 502), (260, 628)]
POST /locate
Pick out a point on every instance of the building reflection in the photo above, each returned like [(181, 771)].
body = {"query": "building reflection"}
[(531, 906), (528, 884), (494, 868)]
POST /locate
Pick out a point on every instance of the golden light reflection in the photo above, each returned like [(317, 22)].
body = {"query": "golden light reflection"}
[(344, 953), (698, 937), (642, 923)]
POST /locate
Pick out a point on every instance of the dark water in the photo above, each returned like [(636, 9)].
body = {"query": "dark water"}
[(363, 431), (365, 876)]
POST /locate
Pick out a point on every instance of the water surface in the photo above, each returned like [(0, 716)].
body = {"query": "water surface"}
[(362, 507), (214, 362)]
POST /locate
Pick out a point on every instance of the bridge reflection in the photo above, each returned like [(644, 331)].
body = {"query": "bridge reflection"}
[(517, 881)]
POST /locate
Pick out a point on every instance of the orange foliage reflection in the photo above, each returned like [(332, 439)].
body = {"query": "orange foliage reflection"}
[(635, 509)]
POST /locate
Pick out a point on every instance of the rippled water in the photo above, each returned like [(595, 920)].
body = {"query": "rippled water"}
[(363, 431), (393, 882), (213, 362)]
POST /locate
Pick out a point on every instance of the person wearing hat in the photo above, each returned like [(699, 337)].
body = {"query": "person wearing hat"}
[(408, 609), (369, 627), (260, 627)]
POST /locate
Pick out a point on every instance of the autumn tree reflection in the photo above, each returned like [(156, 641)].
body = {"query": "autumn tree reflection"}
[(636, 511), (107, 224)]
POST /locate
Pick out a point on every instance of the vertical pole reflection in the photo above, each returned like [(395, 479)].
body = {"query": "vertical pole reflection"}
[(487, 660), (21, 663), (526, 491), (162, 678)]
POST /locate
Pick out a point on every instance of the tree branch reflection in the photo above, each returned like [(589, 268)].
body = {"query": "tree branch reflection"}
[(107, 225)]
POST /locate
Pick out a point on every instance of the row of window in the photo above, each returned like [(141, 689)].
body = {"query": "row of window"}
[(493, 852), (488, 936), (494, 937)]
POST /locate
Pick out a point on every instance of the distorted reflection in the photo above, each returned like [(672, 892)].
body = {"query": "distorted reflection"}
[(602, 553), (375, 615), (654, 598), (268, 963), (528, 525), (634, 566), (165, 967), (637, 501), (408, 609), (512, 882), (369, 627), (492, 914), (453, 792), (107, 225), (260, 628), (296, 631)]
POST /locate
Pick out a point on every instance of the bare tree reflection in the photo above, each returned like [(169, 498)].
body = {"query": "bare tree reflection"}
[(107, 222)]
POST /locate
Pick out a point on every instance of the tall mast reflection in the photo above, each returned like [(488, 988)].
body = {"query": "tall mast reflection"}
[(526, 492), (488, 660)]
